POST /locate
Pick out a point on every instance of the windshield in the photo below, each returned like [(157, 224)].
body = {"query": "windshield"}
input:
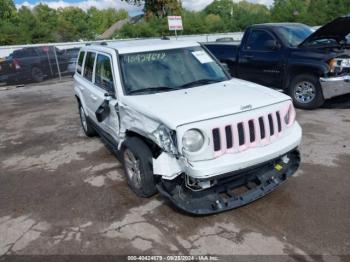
[(167, 70), (294, 34)]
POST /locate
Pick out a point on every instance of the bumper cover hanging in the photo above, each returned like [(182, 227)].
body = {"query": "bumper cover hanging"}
[(256, 182)]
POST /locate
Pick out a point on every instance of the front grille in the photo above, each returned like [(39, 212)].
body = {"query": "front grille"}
[(216, 139), (272, 130), (241, 134), (229, 138), (262, 127), (250, 133)]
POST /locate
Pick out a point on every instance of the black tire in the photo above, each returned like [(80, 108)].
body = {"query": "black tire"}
[(37, 74), (313, 99), (87, 127), (143, 184)]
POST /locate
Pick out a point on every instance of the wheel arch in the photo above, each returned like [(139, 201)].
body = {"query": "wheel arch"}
[(155, 149), (81, 103), (296, 70), (78, 100)]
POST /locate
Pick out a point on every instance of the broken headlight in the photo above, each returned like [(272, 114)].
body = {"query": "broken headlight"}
[(166, 139)]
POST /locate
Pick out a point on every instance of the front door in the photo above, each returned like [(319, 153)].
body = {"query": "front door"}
[(105, 90)]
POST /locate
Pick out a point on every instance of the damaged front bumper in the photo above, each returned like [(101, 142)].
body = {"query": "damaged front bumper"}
[(231, 190), (335, 86)]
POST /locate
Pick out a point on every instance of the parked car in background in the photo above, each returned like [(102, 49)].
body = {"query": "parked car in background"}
[(182, 126), (72, 53), (309, 65), (33, 64)]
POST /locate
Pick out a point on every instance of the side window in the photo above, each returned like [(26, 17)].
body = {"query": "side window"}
[(103, 73), (80, 62), (89, 65), (257, 40), (30, 52), (222, 51)]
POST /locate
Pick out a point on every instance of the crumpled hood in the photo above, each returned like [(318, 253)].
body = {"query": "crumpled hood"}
[(181, 107), (338, 29)]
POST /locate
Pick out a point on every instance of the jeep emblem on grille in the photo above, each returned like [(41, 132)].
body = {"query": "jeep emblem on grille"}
[(246, 107)]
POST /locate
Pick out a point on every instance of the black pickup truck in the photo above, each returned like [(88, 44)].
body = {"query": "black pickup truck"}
[(309, 65)]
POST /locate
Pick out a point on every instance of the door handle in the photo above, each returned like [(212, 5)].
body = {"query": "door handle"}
[(80, 87), (248, 56), (93, 97)]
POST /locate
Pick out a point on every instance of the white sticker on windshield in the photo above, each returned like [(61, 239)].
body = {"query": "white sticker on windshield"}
[(202, 57)]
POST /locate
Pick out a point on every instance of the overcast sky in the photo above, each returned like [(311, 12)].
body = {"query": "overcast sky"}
[(85, 4)]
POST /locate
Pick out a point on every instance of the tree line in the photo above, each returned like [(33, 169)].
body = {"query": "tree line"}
[(44, 24)]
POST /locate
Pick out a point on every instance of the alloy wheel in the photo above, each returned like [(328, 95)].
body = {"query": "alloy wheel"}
[(304, 92)]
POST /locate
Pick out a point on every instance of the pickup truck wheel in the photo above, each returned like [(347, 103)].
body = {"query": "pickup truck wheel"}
[(37, 74), (86, 125), (137, 162), (306, 93)]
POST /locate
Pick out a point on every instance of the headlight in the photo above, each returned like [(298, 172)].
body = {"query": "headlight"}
[(193, 140), (332, 65), (336, 65), (165, 138)]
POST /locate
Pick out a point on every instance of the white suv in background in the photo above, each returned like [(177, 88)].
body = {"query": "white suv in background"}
[(183, 127)]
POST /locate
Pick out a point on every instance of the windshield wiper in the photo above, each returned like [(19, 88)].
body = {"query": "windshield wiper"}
[(202, 82), (153, 89)]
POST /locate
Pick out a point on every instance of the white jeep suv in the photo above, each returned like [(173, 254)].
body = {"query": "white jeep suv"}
[(183, 127)]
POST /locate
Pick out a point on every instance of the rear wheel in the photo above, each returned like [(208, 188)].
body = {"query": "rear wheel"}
[(305, 91), (137, 162), (86, 125), (37, 74)]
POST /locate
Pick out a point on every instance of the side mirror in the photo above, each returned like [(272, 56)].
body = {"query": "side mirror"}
[(109, 94), (103, 111), (272, 45)]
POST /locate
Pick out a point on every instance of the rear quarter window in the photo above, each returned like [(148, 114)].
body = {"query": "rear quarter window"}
[(80, 62)]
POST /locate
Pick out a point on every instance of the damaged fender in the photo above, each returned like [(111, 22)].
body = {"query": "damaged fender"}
[(132, 120), (167, 166)]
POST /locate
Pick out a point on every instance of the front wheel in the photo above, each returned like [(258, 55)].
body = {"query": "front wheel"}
[(137, 162), (305, 91)]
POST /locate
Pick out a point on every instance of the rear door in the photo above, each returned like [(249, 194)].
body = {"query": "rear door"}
[(259, 63), (92, 95), (80, 82)]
